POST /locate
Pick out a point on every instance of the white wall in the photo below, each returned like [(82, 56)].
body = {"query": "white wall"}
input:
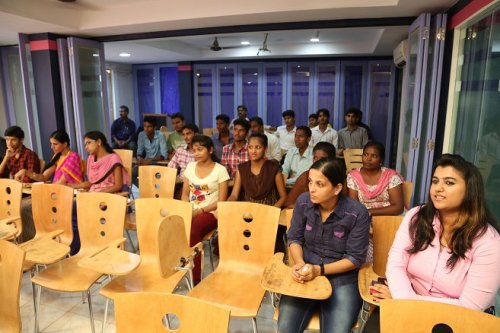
[(122, 88)]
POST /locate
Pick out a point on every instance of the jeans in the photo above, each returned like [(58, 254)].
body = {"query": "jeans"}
[(338, 313)]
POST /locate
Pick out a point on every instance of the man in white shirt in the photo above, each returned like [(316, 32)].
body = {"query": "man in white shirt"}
[(242, 114), (273, 151), (322, 132), (286, 133), (300, 158)]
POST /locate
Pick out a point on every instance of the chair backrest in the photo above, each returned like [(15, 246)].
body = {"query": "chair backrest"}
[(286, 217), (172, 245), (145, 312), (101, 218), (11, 273), (209, 131), (353, 158), (11, 192), (150, 212), (156, 181), (52, 206), (126, 156), (407, 194), (412, 316), (247, 234), (384, 231)]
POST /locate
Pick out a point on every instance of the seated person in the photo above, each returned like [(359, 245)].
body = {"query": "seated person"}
[(298, 159), (286, 133), (237, 152), (184, 154), (151, 144), (375, 186), (205, 184), (324, 132), (351, 136), (64, 168), (328, 236), (3, 147), (105, 173), (176, 139), (223, 136), (123, 130), (18, 159), (446, 250), (313, 120), (260, 180), (321, 150), (273, 150)]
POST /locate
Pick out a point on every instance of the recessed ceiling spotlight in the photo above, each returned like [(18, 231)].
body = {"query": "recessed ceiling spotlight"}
[(245, 42), (124, 54), (315, 39)]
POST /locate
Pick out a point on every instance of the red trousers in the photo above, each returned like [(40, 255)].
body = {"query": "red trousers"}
[(201, 225)]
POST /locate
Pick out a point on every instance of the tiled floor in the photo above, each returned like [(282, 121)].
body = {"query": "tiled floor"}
[(66, 313)]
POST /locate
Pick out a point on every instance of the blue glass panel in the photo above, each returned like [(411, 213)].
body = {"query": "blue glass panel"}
[(300, 75), (169, 85), (274, 96), (145, 91), (226, 84), (205, 98), (379, 100), (250, 90), (353, 86)]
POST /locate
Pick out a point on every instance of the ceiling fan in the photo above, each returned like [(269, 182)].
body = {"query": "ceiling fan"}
[(217, 47), (264, 48)]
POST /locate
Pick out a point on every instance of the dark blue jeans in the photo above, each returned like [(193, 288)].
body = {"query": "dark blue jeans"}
[(338, 314)]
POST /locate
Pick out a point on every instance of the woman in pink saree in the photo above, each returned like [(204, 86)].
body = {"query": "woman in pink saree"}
[(65, 165)]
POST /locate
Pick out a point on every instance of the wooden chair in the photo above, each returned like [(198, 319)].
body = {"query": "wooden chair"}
[(407, 194), (156, 181), (353, 158), (247, 233), (412, 316), (101, 217), (162, 234), (11, 274), (145, 312), (209, 131), (384, 231), (126, 156), (10, 208)]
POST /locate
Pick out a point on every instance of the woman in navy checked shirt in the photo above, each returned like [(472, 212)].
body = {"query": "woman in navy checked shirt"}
[(328, 236)]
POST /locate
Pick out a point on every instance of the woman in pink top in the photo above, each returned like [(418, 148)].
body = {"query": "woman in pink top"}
[(447, 250)]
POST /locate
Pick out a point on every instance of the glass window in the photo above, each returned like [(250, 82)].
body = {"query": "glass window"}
[(477, 128), (226, 89), (380, 85), (300, 75), (274, 95), (169, 87), (326, 74), (353, 86), (250, 89), (204, 78), (145, 91)]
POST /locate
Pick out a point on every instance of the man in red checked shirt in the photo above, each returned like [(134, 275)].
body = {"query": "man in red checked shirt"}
[(18, 159)]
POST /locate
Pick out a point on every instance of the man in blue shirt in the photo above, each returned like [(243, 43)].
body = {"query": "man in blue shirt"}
[(151, 144), (123, 131)]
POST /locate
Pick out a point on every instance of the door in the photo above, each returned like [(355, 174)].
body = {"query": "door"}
[(88, 86)]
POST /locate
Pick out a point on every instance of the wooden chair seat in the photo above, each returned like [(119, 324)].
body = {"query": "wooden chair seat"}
[(8, 228), (142, 280), (67, 276), (365, 277), (44, 249)]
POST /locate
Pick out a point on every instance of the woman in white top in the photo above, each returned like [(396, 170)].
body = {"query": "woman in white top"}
[(205, 183)]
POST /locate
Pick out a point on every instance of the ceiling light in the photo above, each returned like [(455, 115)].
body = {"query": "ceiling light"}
[(124, 54), (315, 39), (245, 42)]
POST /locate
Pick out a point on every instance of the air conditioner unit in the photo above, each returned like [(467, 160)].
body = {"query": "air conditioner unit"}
[(400, 53)]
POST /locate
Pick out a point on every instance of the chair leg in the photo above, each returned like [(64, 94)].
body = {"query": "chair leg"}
[(105, 316), (364, 315), (130, 240), (211, 253), (254, 324), (37, 294), (90, 311)]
